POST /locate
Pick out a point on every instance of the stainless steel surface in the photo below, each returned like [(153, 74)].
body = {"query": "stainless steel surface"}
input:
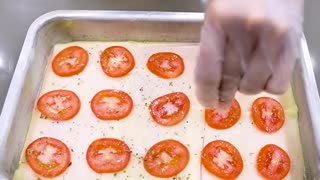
[(307, 99), (57, 27), (312, 29)]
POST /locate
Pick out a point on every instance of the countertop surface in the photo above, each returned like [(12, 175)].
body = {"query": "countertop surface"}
[(17, 15)]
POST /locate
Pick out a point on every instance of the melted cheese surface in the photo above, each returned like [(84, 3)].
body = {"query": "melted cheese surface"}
[(138, 130)]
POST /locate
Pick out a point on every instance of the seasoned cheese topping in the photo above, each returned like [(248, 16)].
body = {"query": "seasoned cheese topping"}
[(165, 157), (221, 113), (138, 130), (111, 102), (267, 115), (46, 156), (165, 64), (71, 61), (276, 158), (116, 61), (223, 160), (170, 108)]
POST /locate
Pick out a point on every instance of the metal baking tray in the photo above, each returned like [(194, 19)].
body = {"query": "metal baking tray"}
[(66, 26)]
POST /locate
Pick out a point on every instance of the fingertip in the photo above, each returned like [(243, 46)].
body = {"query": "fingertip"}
[(207, 97), (225, 104), (274, 86), (228, 91), (279, 83)]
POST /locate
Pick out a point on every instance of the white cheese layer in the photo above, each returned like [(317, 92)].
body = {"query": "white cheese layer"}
[(138, 130)]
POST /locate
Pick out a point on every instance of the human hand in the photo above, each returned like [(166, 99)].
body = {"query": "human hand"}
[(248, 46)]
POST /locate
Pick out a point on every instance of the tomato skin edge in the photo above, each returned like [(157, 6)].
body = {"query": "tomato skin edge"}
[(117, 74), (260, 161), (113, 93), (163, 143), (71, 73), (256, 115), (43, 110), (46, 174), (218, 126), (158, 71), (91, 148), (226, 146), (153, 105)]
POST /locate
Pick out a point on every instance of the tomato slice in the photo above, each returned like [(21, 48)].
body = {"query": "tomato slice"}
[(111, 104), (170, 109), (59, 105), (70, 61), (273, 162), (108, 155), (167, 65), (223, 119), (117, 61), (48, 157), (166, 158), (222, 159), (267, 114)]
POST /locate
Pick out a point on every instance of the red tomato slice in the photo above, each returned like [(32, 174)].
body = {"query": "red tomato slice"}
[(108, 155), (170, 109), (222, 159), (59, 104), (48, 157), (111, 104), (267, 114), (117, 61), (167, 65), (70, 61), (223, 119), (273, 162), (167, 158)]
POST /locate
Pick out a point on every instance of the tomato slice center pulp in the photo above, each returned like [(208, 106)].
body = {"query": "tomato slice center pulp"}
[(267, 114), (166, 65), (59, 104), (170, 109), (108, 155), (48, 157), (222, 159), (70, 61), (166, 158), (117, 61), (111, 104), (273, 162), (223, 118)]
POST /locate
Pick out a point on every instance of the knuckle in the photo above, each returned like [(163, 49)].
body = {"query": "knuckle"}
[(207, 97), (249, 89), (277, 89)]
